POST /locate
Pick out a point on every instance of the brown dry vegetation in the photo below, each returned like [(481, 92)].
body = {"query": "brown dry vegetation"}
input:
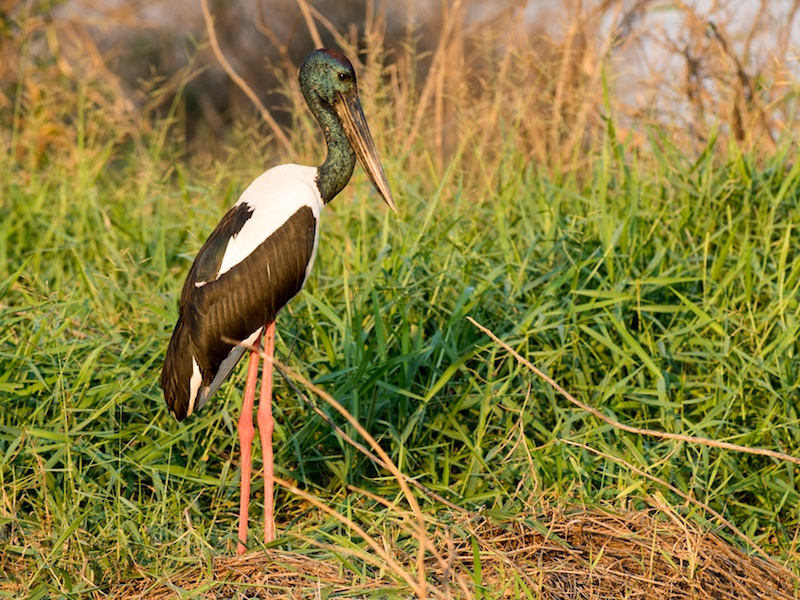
[(550, 554), (458, 71)]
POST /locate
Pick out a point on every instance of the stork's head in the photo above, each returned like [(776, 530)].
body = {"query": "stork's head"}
[(327, 73), (327, 78)]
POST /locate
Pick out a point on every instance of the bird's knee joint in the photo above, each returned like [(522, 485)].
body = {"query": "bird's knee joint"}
[(246, 431)]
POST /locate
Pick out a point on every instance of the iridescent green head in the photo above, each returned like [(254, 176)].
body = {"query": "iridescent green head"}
[(326, 73)]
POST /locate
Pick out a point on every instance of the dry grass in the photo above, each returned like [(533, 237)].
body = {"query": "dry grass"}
[(639, 554), (562, 553), (548, 77), (272, 574)]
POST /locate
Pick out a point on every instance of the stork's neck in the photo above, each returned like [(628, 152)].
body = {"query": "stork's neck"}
[(335, 172)]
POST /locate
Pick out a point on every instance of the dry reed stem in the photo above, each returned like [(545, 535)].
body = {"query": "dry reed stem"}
[(438, 64), (265, 114), (352, 525), (392, 507), (361, 448), (676, 491), (636, 430), (341, 41), (745, 98), (310, 25), (382, 453)]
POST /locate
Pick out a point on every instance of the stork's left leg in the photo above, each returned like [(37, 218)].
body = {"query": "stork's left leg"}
[(265, 427)]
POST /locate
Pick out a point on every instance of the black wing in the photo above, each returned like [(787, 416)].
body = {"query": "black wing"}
[(209, 259), (235, 304)]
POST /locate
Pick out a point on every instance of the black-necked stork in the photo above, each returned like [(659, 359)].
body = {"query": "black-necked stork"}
[(258, 257)]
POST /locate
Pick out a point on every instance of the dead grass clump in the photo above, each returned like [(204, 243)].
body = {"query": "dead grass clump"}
[(276, 574), (555, 554), (598, 554)]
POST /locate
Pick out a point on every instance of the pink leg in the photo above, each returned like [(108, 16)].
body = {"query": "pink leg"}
[(265, 427), (246, 434)]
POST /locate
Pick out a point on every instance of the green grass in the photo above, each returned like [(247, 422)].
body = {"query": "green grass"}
[(660, 289)]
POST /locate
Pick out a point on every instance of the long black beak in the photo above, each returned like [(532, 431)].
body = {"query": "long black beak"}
[(355, 127)]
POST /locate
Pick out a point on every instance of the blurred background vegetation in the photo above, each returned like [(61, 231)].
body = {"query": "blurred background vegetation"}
[(454, 69)]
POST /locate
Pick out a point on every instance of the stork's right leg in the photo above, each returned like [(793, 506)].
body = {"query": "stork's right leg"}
[(266, 425)]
